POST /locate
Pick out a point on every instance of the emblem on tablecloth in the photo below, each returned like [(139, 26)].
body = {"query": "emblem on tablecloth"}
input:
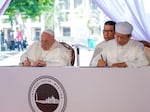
[(47, 94)]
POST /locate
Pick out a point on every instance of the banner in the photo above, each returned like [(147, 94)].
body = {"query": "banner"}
[(70, 89)]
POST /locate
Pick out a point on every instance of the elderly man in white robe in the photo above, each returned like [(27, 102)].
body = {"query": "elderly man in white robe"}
[(48, 52), (122, 51)]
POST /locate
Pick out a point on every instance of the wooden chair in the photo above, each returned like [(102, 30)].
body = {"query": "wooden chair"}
[(146, 49), (72, 52), (146, 44)]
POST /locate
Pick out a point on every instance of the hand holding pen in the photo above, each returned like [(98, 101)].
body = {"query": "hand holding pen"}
[(101, 62), (26, 62), (102, 57)]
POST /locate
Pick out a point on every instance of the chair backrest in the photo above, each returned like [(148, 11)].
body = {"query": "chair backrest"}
[(72, 52), (146, 49), (146, 44)]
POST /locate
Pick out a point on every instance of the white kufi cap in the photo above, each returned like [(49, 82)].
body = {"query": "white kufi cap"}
[(124, 28)]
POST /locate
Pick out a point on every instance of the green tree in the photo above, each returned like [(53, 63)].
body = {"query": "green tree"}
[(28, 8)]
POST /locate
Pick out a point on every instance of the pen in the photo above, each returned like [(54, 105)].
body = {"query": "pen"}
[(101, 56), (105, 60), (27, 59)]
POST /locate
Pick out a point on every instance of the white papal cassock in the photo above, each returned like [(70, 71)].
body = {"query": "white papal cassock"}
[(57, 55)]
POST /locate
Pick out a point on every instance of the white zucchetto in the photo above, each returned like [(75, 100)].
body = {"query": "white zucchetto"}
[(49, 31)]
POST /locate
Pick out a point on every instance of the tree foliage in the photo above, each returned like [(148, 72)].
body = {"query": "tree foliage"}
[(29, 8)]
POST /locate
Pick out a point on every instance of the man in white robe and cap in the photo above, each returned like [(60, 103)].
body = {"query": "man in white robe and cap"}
[(122, 51), (48, 52)]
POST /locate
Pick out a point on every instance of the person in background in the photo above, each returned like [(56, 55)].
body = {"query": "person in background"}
[(48, 52), (122, 51), (108, 33), (12, 41), (19, 39)]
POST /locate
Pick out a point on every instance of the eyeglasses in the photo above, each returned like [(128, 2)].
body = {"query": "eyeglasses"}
[(126, 37), (45, 41), (108, 30)]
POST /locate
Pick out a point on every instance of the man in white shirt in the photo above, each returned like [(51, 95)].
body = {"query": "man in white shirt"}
[(48, 52), (108, 33), (122, 51)]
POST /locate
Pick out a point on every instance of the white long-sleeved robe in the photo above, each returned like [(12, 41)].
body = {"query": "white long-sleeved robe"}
[(57, 55), (98, 49), (132, 53)]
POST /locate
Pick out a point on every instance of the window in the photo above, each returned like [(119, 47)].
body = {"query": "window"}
[(77, 3), (66, 31), (37, 34), (64, 4)]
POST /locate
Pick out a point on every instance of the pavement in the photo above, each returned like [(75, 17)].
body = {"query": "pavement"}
[(12, 58)]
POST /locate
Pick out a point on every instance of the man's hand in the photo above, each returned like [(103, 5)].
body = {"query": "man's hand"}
[(26, 63), (122, 64), (101, 63), (39, 63)]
